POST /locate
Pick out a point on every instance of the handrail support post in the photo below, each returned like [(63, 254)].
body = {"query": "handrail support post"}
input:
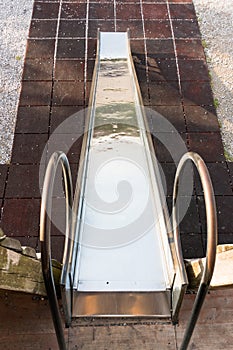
[(211, 218), (45, 237)]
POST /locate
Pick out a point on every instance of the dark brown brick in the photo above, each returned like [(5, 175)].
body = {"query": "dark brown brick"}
[(220, 179), (197, 93), (189, 216), (163, 49), (73, 11), (40, 48), (161, 70), (90, 69), (21, 217), (28, 148), (208, 145), (192, 70), (137, 47), (199, 119), (103, 1), (173, 114), (128, 11), (186, 29), (61, 114), (154, 11), (182, 11), (38, 69), (164, 94), (189, 49), (188, 209), (3, 177), (105, 11), (28, 186), (45, 10), (157, 2), (230, 167), (71, 48), (75, 151), (72, 29), (225, 238), (69, 70), (32, 119), (184, 1), (35, 93), (92, 45), (43, 29), (158, 29), (68, 93), (192, 246), (224, 205)]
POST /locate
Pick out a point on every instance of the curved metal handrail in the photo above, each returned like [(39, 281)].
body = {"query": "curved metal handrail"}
[(211, 218), (56, 159)]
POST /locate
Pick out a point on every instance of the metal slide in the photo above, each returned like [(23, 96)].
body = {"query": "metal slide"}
[(121, 256)]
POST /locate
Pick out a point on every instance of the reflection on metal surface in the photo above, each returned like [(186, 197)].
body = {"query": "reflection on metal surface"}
[(121, 217), (122, 260), (122, 304)]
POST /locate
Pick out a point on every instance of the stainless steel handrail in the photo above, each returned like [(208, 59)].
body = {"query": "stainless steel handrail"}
[(211, 218), (57, 158)]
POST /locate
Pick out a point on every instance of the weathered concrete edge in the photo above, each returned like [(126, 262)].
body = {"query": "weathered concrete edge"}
[(222, 277), (21, 273)]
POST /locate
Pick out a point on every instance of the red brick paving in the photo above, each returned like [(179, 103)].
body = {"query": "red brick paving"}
[(56, 84)]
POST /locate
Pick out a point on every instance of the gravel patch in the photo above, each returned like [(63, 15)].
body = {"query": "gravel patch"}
[(14, 26), (216, 24)]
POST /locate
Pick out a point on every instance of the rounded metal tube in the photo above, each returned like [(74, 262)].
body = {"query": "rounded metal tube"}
[(56, 159), (211, 218)]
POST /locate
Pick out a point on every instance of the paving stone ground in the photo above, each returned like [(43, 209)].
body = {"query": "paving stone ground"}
[(174, 81), (173, 78), (26, 323)]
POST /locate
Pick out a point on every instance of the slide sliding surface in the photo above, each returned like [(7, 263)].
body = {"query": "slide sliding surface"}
[(122, 262)]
